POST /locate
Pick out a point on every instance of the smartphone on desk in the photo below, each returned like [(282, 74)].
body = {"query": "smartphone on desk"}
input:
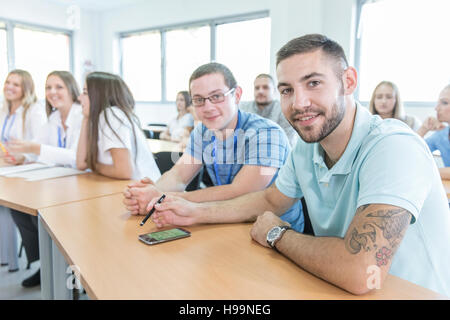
[(164, 236)]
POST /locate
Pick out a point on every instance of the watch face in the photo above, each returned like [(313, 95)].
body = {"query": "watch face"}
[(273, 233)]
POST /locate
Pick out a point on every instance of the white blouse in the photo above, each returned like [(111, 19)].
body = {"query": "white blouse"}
[(59, 146), (144, 165), (11, 126), (177, 126)]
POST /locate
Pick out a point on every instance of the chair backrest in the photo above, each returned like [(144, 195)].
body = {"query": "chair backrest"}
[(164, 160)]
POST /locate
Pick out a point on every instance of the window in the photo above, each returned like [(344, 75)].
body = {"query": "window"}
[(186, 49), (38, 50), (3, 57), (248, 54), (39, 53), (242, 43), (405, 41), (141, 65)]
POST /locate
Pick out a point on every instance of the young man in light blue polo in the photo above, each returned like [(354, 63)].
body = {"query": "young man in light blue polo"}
[(242, 152), (373, 191)]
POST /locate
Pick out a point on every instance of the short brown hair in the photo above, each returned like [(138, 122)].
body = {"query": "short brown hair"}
[(266, 75), (313, 42), (211, 68)]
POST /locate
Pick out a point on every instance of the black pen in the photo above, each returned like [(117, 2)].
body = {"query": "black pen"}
[(152, 210)]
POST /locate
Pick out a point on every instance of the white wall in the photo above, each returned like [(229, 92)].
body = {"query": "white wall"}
[(289, 19), (96, 40)]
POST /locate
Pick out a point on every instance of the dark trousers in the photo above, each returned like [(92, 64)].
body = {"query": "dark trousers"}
[(28, 228)]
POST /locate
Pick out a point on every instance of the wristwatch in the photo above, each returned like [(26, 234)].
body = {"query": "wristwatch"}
[(275, 234)]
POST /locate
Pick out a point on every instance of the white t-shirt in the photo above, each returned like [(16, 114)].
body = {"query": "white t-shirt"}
[(144, 164), (176, 126)]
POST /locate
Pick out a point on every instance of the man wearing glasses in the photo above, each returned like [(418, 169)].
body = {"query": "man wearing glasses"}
[(242, 151)]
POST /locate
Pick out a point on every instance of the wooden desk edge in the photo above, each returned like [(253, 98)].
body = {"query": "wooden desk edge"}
[(17, 207), (69, 261)]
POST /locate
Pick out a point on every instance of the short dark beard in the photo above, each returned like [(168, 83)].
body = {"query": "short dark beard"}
[(264, 104), (338, 112)]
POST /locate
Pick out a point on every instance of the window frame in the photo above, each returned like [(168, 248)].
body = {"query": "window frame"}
[(358, 40), (11, 24), (212, 23)]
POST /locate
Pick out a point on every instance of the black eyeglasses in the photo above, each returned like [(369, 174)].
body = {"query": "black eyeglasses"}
[(214, 98)]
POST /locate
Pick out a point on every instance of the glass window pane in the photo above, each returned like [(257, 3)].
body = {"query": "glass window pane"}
[(40, 53), (405, 41), (244, 47), (3, 60), (141, 65), (186, 49)]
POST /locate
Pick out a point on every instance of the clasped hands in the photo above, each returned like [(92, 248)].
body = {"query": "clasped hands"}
[(140, 197)]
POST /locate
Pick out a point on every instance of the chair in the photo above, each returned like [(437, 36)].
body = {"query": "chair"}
[(164, 162), (154, 134), (307, 229)]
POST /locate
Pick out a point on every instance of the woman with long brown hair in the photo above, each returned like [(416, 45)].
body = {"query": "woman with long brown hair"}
[(111, 142), (183, 123), (21, 117)]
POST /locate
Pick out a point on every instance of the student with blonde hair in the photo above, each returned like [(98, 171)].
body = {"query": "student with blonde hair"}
[(111, 142), (56, 144), (386, 102), (21, 117), (57, 141)]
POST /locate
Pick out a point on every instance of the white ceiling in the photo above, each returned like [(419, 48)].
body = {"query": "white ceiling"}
[(99, 5)]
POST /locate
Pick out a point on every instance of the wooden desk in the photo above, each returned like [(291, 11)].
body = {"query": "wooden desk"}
[(29, 196), (216, 262), (157, 145), (447, 187)]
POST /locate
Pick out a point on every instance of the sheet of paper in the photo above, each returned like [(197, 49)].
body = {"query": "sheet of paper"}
[(46, 173), (5, 171)]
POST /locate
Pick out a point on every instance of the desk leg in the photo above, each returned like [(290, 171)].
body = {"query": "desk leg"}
[(60, 276), (45, 252)]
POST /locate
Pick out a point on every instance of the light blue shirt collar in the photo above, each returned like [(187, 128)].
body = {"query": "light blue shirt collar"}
[(361, 128)]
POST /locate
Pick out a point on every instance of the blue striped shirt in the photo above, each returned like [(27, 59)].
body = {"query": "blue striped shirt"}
[(259, 142)]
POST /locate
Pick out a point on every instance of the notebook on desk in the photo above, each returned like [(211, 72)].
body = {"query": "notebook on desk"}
[(45, 173), (6, 171)]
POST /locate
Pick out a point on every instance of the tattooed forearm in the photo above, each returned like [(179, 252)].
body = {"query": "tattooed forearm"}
[(362, 234), (360, 241), (392, 222)]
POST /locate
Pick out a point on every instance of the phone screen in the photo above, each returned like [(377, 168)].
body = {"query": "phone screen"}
[(163, 236)]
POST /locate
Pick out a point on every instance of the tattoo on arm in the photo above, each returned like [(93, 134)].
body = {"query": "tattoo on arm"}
[(392, 222)]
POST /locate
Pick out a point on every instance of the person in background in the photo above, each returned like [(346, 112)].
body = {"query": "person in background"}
[(58, 139), (266, 106), (374, 196), (386, 103), (440, 140), (241, 151), (56, 144), (111, 142), (184, 122), (21, 118), (187, 133)]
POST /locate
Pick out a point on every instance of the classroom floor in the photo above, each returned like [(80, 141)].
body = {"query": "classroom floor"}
[(10, 283)]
